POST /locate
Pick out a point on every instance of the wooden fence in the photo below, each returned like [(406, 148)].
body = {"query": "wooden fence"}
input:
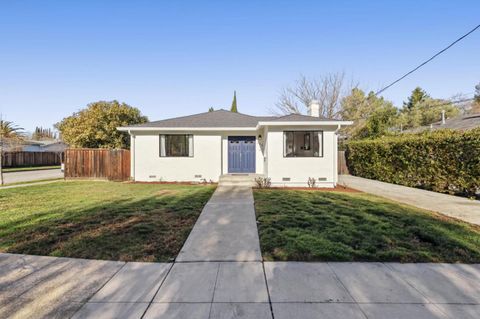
[(97, 164), (342, 163), (19, 159)]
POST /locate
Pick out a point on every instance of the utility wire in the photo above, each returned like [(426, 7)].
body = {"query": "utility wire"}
[(433, 57), (453, 102)]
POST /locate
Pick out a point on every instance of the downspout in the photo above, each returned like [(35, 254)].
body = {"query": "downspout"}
[(335, 159), (132, 154)]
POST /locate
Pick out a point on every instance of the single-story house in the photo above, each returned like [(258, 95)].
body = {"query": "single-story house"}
[(56, 146), (460, 123), (202, 147)]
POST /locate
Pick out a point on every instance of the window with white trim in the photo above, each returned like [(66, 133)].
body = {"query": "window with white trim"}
[(176, 145), (303, 143)]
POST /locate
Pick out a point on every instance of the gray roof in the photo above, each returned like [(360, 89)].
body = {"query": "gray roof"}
[(461, 123), (224, 118)]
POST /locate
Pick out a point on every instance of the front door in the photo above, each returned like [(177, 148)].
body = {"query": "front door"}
[(241, 154)]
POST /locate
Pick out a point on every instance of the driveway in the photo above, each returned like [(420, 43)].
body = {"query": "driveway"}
[(453, 206), (28, 176)]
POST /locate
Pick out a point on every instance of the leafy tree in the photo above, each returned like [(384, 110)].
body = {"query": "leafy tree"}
[(423, 110), (234, 103), (380, 122), (372, 116), (96, 125), (418, 95), (211, 109), (427, 112)]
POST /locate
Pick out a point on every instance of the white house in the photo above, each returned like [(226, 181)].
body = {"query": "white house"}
[(288, 149)]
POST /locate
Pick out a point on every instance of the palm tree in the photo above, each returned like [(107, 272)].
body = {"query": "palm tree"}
[(9, 130)]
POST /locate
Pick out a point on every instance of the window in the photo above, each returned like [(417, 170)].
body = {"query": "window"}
[(303, 144), (178, 145)]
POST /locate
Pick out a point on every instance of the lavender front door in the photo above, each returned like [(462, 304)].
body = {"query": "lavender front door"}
[(241, 154)]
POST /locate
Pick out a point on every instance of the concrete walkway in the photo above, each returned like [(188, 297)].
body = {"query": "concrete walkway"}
[(226, 229), (453, 206)]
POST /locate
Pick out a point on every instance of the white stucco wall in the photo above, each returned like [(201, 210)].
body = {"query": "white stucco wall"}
[(210, 158), (299, 169), (147, 165)]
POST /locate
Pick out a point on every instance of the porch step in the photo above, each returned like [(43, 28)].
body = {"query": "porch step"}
[(238, 179)]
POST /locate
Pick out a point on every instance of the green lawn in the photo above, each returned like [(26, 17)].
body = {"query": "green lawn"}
[(100, 220), (29, 168), (335, 226)]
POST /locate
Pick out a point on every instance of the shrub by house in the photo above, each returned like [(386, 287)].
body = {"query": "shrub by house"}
[(443, 161)]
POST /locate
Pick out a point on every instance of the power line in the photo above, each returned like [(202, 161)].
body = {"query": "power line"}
[(433, 57), (454, 102)]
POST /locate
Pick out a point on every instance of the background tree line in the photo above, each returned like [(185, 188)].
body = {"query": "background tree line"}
[(373, 116)]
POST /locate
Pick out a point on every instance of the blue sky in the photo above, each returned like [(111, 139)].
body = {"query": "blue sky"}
[(172, 58)]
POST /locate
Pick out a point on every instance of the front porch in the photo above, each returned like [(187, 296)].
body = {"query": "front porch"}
[(239, 179)]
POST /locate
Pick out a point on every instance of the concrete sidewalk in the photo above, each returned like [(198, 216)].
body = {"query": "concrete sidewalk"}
[(48, 287), (226, 229), (453, 206)]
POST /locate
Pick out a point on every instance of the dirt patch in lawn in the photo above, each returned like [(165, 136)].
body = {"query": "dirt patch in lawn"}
[(339, 226), (108, 220), (340, 189)]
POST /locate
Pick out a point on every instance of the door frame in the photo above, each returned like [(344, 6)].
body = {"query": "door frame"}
[(242, 137)]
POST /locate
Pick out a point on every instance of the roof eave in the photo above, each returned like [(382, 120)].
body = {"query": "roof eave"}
[(196, 129), (304, 123)]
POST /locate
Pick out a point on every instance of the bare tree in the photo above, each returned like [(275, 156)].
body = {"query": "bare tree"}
[(327, 90)]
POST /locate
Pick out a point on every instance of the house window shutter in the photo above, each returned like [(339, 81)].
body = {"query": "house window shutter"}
[(190, 145), (320, 143), (162, 145)]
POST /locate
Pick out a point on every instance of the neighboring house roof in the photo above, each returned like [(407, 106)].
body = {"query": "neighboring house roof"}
[(35, 146), (460, 123), (225, 119)]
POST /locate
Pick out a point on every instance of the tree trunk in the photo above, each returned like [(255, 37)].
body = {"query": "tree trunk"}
[(1, 164)]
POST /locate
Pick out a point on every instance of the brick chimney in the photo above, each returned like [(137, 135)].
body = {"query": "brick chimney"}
[(314, 108)]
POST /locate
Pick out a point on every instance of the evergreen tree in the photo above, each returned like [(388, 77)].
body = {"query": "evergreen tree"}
[(234, 103), (418, 96), (211, 109), (43, 134), (477, 93)]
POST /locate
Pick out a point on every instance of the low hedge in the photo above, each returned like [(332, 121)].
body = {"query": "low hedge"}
[(443, 161)]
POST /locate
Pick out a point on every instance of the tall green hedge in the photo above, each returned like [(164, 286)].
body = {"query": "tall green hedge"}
[(443, 161)]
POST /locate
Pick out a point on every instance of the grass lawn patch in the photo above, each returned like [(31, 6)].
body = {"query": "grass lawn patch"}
[(29, 168), (332, 226), (100, 220)]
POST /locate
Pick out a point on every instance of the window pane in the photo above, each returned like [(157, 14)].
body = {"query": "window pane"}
[(176, 145), (303, 143), (288, 146), (316, 144)]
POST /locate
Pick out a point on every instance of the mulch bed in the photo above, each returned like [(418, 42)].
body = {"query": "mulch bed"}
[(318, 189), (174, 183)]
